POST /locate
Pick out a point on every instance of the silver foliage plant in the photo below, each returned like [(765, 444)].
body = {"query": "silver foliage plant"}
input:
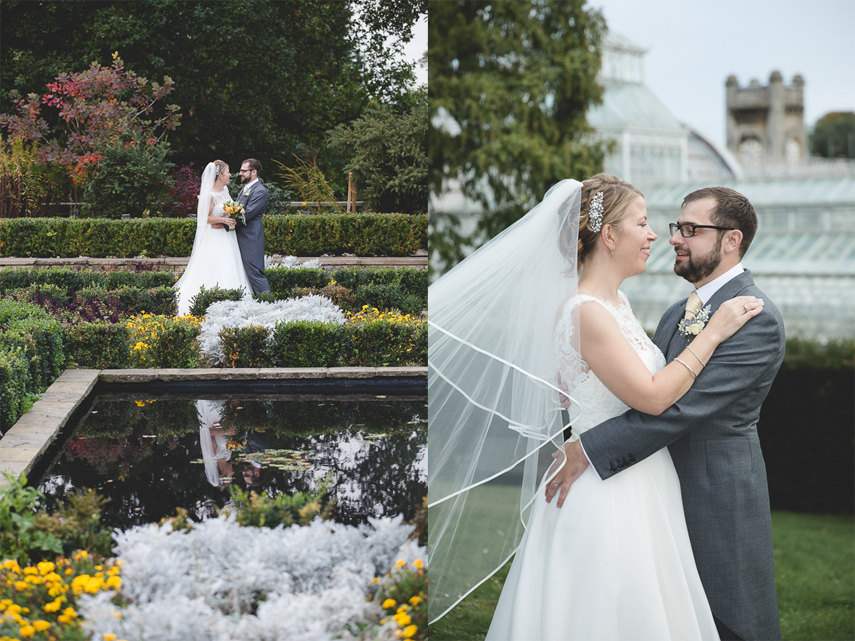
[(221, 581), (247, 312), (277, 260)]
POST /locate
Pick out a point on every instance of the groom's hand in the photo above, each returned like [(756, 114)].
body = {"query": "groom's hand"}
[(576, 463)]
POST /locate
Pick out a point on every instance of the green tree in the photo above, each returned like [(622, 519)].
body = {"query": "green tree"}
[(509, 86), (256, 78), (834, 135), (388, 156)]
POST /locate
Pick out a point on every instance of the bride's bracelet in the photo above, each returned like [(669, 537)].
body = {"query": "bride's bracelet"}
[(688, 347), (686, 366)]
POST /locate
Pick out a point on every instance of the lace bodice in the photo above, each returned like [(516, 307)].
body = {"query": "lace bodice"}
[(597, 402), (220, 197)]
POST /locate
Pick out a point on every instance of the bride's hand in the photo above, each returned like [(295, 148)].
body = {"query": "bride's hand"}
[(231, 222), (732, 315)]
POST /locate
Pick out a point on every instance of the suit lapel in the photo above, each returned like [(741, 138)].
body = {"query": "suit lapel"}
[(674, 342), (665, 337)]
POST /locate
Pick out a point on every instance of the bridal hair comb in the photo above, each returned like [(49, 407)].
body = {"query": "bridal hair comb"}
[(595, 212)]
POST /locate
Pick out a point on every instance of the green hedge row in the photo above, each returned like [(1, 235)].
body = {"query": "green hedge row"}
[(314, 344), (31, 356), (294, 234), (377, 343), (404, 289), (67, 279)]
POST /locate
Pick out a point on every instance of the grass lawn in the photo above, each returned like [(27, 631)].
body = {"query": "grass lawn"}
[(815, 566)]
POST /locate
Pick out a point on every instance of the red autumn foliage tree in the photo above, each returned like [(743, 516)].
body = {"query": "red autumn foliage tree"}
[(97, 106)]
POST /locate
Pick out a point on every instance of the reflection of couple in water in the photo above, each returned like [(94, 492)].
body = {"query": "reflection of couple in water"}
[(214, 438)]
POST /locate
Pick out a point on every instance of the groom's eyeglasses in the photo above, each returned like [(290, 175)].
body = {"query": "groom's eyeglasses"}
[(687, 230)]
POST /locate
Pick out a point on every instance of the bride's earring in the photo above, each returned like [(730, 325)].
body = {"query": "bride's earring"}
[(613, 253)]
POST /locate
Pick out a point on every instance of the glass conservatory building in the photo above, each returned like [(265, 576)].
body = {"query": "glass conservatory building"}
[(803, 256)]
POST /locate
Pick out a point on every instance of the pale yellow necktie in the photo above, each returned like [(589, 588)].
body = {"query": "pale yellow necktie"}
[(693, 304)]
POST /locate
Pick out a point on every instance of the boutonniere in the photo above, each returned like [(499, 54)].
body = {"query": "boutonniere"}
[(246, 191), (689, 327)]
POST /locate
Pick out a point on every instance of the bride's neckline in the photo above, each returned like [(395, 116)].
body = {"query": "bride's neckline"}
[(621, 304)]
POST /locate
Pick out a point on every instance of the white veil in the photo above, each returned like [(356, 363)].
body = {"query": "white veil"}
[(194, 275), (493, 403)]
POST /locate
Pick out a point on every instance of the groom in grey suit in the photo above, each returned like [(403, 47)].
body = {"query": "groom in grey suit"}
[(250, 237), (711, 432)]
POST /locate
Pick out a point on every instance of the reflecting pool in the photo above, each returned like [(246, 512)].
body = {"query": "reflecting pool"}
[(149, 456)]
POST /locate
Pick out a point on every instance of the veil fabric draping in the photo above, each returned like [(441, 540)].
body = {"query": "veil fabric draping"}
[(494, 411)]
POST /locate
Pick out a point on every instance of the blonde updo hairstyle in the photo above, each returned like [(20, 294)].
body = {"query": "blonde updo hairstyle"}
[(220, 165), (617, 196)]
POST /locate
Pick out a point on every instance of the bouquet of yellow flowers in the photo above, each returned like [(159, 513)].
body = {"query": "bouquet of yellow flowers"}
[(236, 211)]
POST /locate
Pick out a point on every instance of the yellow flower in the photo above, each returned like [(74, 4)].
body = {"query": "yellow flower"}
[(404, 620), (53, 606), (400, 563), (416, 600), (114, 582), (41, 625), (81, 554), (20, 586), (110, 637), (389, 603), (45, 567), (410, 631), (69, 612), (27, 631), (30, 570)]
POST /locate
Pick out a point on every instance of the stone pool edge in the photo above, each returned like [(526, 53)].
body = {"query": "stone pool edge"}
[(29, 438)]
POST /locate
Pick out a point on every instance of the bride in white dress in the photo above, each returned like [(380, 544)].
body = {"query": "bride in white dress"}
[(215, 259), (615, 562)]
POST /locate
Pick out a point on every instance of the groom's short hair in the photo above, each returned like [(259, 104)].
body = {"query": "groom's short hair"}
[(732, 210), (253, 164)]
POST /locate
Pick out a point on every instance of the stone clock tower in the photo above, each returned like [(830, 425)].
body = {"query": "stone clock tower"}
[(766, 125)]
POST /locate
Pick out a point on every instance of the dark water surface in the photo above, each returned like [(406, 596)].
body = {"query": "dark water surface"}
[(151, 455)]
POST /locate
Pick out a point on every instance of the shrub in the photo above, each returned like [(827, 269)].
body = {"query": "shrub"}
[(388, 156), (306, 344), (387, 297), (161, 341), (200, 302), (157, 300), (184, 187), (341, 296), (295, 235), (131, 173), (14, 374), (18, 538), (286, 279), (98, 345), (308, 182), (38, 338), (385, 339), (76, 523), (245, 346)]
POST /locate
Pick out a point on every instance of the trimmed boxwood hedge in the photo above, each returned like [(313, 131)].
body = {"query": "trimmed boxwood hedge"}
[(292, 234), (31, 356)]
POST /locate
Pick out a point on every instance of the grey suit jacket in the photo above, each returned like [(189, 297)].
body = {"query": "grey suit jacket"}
[(712, 435), (251, 236)]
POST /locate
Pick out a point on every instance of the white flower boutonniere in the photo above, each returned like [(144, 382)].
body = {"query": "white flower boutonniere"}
[(689, 327), (246, 191)]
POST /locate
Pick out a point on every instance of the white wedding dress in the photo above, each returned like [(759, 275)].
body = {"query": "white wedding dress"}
[(214, 261), (615, 562)]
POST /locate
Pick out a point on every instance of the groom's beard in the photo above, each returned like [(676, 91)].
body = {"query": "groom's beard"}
[(696, 268)]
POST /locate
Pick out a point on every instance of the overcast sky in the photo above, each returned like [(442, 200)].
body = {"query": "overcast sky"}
[(416, 48), (694, 45)]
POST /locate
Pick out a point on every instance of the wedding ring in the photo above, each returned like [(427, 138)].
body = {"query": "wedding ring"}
[(745, 307), (554, 482)]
